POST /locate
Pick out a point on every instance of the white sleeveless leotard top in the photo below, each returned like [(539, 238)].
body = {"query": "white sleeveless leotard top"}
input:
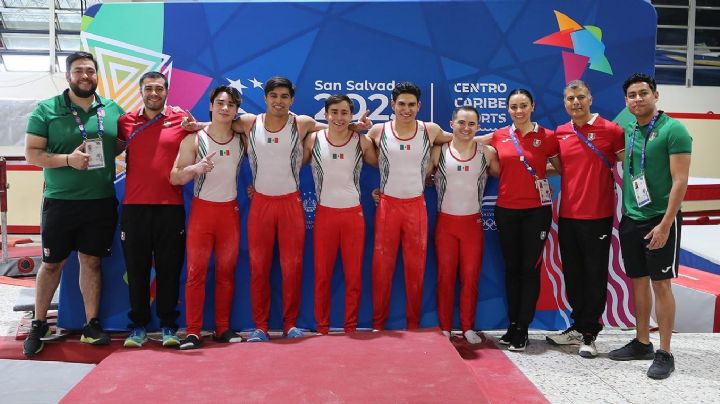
[(220, 184), (460, 183), (336, 170), (403, 163), (275, 157)]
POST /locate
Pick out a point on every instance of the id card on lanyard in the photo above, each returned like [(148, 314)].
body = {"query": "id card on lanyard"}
[(541, 184), (640, 188), (93, 147)]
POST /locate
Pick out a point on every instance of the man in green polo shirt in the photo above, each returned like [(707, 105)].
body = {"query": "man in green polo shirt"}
[(73, 137), (655, 177)]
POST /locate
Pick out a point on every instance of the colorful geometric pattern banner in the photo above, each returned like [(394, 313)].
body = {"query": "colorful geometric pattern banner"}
[(458, 52)]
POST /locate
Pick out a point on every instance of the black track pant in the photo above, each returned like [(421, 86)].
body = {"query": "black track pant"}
[(153, 236), (523, 233), (585, 253)]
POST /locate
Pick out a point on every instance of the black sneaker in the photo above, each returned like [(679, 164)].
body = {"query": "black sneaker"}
[(519, 340), (93, 333), (33, 343), (662, 366), (192, 341), (506, 339), (227, 337), (634, 350)]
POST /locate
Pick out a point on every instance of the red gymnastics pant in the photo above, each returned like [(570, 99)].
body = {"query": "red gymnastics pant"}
[(212, 226), (272, 217), (343, 228), (458, 241), (399, 220)]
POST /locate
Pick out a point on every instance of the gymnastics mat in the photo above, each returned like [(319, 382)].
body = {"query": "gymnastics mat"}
[(410, 366)]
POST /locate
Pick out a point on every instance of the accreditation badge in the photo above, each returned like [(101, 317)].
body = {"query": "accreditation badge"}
[(640, 189), (543, 187), (94, 148)]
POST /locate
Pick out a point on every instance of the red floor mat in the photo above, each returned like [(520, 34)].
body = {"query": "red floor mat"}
[(364, 367), (30, 251), (28, 282)]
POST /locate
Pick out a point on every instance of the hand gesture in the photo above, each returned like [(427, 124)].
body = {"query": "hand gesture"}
[(205, 165), (189, 123), (363, 124), (78, 159)]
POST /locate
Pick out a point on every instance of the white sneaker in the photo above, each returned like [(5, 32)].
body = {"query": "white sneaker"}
[(446, 333), (472, 337), (567, 337), (587, 348)]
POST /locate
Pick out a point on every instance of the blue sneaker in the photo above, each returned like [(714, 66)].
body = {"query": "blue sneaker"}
[(136, 339), (258, 336), (169, 339), (294, 333)]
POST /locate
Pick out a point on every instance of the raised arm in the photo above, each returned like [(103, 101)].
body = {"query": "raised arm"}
[(374, 134), (368, 150), (492, 160), (437, 135), (308, 146), (434, 161)]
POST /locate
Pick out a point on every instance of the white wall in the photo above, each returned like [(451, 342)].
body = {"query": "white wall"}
[(689, 100), (31, 86)]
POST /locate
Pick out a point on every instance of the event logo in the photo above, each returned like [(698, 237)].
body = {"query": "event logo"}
[(588, 50), (488, 212), (120, 66), (309, 204)]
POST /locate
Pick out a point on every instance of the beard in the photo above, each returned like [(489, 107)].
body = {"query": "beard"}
[(75, 88), (154, 105)]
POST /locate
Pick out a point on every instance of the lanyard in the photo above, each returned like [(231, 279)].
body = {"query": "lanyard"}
[(520, 153), (632, 145), (592, 147), (144, 126), (100, 112)]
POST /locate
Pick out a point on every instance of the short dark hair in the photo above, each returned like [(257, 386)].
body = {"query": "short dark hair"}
[(406, 87), (279, 81), (465, 108), (230, 90), (77, 56), (154, 75), (521, 91), (639, 78), (577, 84), (338, 98)]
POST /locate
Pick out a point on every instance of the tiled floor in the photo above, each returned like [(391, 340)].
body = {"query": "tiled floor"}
[(565, 377)]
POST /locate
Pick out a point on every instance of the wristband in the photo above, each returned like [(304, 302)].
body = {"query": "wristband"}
[(67, 160)]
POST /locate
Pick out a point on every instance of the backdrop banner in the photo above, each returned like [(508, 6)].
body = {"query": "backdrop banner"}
[(458, 52)]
